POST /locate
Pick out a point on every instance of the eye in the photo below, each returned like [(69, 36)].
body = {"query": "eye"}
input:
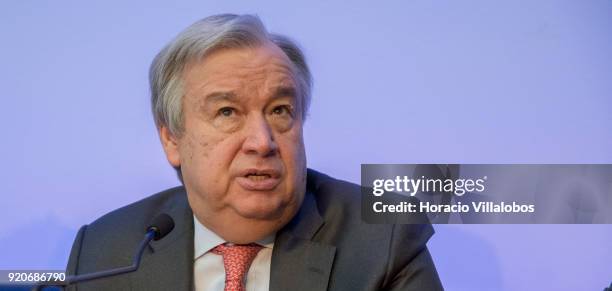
[(226, 111), (282, 110)]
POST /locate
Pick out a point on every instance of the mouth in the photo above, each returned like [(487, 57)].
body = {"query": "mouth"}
[(258, 177), (259, 180)]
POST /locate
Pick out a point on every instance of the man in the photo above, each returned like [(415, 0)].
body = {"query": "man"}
[(230, 101)]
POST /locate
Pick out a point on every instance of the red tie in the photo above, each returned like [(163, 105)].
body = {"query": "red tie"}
[(236, 260)]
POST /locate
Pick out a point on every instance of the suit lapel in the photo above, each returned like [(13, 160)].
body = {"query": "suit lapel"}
[(168, 263), (298, 263)]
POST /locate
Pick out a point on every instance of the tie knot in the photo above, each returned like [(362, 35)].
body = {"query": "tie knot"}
[(229, 249), (236, 260)]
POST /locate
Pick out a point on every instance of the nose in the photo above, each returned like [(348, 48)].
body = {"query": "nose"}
[(259, 138)]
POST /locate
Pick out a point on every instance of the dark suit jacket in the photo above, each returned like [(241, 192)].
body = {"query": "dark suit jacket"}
[(325, 247)]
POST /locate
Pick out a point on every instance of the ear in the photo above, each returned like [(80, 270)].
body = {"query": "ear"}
[(171, 146)]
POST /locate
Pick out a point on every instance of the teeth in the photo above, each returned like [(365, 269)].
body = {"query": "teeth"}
[(254, 177)]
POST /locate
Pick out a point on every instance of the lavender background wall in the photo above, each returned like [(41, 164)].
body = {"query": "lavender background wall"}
[(403, 82)]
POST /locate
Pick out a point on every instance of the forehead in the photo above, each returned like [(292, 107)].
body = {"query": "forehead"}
[(240, 68)]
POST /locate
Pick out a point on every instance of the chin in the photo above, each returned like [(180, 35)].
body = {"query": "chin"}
[(262, 208)]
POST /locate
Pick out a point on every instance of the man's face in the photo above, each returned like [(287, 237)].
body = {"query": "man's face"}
[(242, 151)]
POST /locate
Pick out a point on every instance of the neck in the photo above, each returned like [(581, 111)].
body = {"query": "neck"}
[(239, 230)]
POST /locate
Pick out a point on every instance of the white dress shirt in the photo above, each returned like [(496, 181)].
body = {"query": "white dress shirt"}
[(208, 270)]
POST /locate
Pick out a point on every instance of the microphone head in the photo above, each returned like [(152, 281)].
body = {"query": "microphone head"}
[(161, 226)]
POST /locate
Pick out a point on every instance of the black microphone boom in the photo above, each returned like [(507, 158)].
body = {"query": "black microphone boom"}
[(159, 228)]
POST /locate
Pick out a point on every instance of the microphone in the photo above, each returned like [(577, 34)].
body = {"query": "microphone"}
[(161, 226), (158, 229)]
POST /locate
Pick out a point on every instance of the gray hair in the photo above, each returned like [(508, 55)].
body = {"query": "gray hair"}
[(201, 38)]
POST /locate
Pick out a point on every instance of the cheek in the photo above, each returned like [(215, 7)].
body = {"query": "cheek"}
[(206, 167), (222, 154), (204, 153), (193, 149), (292, 151)]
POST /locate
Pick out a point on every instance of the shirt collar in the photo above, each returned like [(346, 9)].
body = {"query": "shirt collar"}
[(205, 239)]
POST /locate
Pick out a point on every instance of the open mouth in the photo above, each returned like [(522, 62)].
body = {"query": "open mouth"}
[(259, 180), (258, 177)]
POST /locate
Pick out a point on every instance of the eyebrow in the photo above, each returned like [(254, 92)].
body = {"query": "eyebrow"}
[(279, 92), (221, 96), (284, 91)]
